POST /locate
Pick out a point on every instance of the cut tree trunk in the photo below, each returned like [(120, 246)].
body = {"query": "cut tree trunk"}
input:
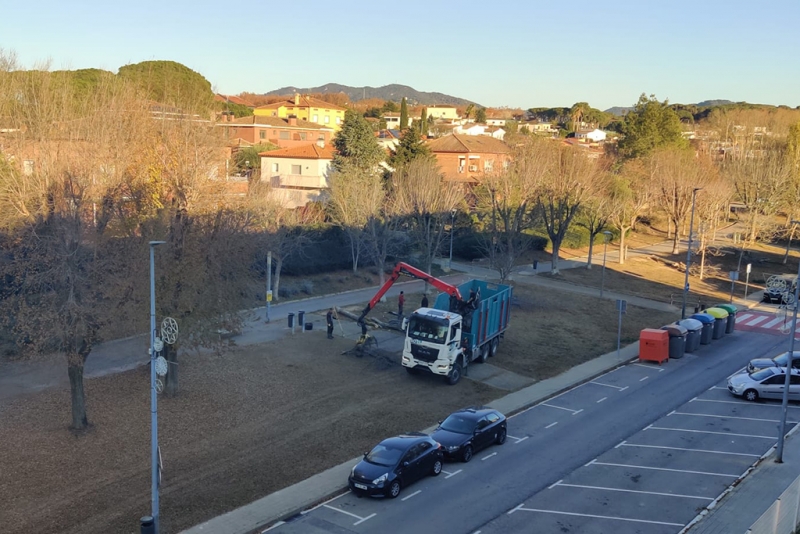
[(75, 370), (591, 249), (554, 259)]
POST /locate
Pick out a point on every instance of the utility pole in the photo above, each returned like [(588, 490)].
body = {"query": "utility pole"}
[(269, 282), (688, 255), (153, 396), (789, 368)]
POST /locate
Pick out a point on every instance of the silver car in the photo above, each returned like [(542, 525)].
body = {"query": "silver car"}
[(765, 384), (778, 361)]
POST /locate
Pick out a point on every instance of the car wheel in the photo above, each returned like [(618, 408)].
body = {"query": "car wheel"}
[(466, 455), (751, 395), (484, 354), (394, 489), (455, 374), (412, 370), (437, 467), (495, 344), (501, 437)]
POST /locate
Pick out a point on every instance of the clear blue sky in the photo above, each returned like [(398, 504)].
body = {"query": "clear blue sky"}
[(525, 53)]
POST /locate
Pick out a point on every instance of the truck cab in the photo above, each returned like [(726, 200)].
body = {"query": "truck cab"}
[(433, 341)]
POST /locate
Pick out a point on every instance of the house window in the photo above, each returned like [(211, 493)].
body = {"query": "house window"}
[(338, 120), (327, 119), (284, 135), (488, 165), (321, 137), (262, 134), (315, 118), (505, 164), (297, 169), (275, 167), (302, 136)]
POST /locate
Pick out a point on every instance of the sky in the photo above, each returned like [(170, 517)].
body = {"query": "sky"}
[(523, 53)]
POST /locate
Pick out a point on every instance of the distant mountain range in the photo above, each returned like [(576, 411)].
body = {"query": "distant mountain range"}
[(621, 111), (392, 92)]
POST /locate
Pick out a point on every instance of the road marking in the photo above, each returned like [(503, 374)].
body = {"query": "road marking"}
[(620, 388), (488, 456), (710, 432), (772, 323), (743, 317), (736, 373), (597, 516), (633, 491), (670, 413), (409, 496), (276, 525), (649, 367), (589, 463), (554, 484), (643, 379), (744, 402), (625, 444), (517, 440), (562, 408), (601, 400), (577, 412), (454, 473), (756, 320), (734, 417), (662, 469), (515, 509), (552, 425), (717, 387), (360, 519), (620, 444)]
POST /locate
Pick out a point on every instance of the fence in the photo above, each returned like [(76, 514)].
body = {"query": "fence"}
[(782, 516)]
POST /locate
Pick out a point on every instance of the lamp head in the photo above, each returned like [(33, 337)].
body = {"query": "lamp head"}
[(156, 243)]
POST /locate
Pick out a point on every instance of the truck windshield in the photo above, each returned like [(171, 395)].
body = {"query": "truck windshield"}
[(427, 330)]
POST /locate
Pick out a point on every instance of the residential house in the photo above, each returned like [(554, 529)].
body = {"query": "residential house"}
[(283, 132), (306, 108), (297, 175), (495, 121), (474, 128), (393, 121), (442, 112), (594, 136), (233, 99), (540, 128), (466, 158), (388, 139)]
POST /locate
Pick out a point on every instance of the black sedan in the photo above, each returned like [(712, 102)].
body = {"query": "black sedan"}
[(395, 463), (469, 430)]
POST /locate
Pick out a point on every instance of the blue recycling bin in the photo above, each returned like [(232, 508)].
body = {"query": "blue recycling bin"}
[(708, 327)]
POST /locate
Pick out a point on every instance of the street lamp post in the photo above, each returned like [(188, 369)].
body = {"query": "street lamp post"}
[(153, 397), (789, 367), (452, 228), (607, 235), (688, 255)]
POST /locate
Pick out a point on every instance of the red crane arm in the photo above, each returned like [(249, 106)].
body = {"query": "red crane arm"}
[(408, 270)]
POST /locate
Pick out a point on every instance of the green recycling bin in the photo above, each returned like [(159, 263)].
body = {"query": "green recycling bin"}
[(731, 309), (720, 321)]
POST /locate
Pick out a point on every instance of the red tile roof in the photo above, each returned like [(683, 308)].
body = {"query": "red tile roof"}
[(469, 143), (305, 102), (233, 99), (311, 151), (261, 120)]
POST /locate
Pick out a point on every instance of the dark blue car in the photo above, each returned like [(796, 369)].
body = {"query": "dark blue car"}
[(394, 464)]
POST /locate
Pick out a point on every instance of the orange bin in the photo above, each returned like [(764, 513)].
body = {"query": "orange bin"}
[(654, 345)]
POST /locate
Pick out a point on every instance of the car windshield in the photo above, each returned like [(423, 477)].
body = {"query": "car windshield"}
[(427, 330), (384, 455), (781, 360), (762, 374), (458, 424)]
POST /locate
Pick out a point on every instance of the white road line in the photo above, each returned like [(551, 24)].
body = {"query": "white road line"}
[(552, 425), (649, 367), (670, 413), (744, 402), (734, 417), (663, 469), (620, 388), (326, 502), (360, 519), (515, 509), (736, 372), (710, 432), (276, 525), (488, 456), (517, 440), (589, 463), (625, 444), (554, 484), (620, 444), (454, 473), (601, 400), (634, 491), (717, 387), (643, 379), (743, 317), (599, 516), (756, 320), (561, 408), (576, 412), (370, 516), (409, 496), (772, 323)]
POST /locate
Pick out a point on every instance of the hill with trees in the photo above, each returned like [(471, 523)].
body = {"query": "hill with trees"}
[(171, 83)]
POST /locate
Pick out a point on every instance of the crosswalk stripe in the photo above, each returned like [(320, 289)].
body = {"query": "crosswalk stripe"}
[(756, 320)]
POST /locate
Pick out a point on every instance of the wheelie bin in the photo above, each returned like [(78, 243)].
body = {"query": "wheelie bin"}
[(694, 329), (730, 326), (720, 321), (708, 327), (677, 340)]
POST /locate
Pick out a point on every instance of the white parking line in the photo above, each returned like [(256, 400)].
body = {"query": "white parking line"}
[(552, 425), (276, 525), (554, 484), (488, 456), (649, 367), (515, 509), (620, 388), (643, 379), (710, 432), (409, 496), (360, 519), (594, 462), (737, 372), (733, 417), (517, 440), (717, 387), (596, 516), (601, 400), (574, 412), (454, 473), (633, 491), (626, 444), (744, 402)]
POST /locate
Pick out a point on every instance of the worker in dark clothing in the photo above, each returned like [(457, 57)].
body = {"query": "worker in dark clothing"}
[(424, 301), (329, 321), (400, 301)]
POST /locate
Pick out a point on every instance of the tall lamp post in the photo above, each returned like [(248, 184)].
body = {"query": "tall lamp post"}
[(688, 255), (789, 367), (153, 397), (607, 235), (452, 228)]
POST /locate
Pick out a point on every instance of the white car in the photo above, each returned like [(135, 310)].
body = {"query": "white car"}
[(765, 384)]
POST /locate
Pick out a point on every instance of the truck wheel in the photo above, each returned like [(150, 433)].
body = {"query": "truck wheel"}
[(455, 374), (484, 355), (495, 343)]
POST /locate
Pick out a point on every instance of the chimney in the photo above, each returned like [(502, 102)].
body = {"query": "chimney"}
[(292, 121), (297, 99)]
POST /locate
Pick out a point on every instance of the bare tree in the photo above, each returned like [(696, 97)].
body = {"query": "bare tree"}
[(629, 195), (596, 213), (351, 204)]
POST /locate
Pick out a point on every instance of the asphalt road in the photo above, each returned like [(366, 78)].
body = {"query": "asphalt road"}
[(639, 450)]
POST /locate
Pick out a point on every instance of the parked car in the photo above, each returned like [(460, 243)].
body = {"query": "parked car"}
[(469, 430), (778, 361), (765, 384), (394, 464), (779, 295)]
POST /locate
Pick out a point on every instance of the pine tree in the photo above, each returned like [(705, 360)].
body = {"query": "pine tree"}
[(403, 114), (356, 144), (423, 122), (411, 148)]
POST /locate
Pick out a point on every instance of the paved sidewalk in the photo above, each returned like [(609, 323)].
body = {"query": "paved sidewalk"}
[(318, 488)]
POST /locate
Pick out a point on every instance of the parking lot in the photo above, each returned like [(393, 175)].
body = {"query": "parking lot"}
[(648, 477)]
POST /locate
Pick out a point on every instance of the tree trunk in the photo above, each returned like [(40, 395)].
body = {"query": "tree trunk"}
[(753, 229), (171, 384), (591, 249), (669, 228), (277, 286), (554, 259), (355, 251), (622, 231), (75, 370), (675, 241)]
